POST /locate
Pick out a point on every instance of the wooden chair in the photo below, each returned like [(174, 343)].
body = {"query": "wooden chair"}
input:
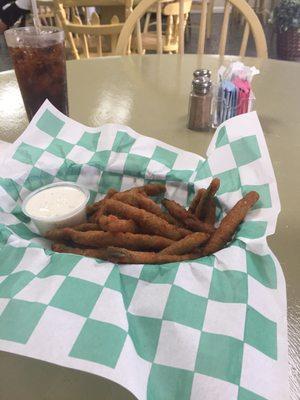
[(85, 34), (168, 40), (252, 24)]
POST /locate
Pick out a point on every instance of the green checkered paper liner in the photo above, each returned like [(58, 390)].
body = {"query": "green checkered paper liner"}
[(212, 328)]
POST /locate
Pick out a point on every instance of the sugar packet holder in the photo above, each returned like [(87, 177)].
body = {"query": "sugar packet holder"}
[(233, 94)]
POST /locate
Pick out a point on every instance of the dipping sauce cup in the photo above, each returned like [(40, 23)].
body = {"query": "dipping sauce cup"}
[(56, 205)]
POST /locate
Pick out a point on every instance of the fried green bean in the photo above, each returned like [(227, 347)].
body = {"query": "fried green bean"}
[(148, 221), (120, 239), (186, 217), (230, 223), (195, 201), (186, 245), (124, 256), (202, 207)]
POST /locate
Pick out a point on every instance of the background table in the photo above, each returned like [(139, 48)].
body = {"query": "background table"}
[(150, 94)]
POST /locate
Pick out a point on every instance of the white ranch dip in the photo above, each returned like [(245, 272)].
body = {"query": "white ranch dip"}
[(56, 201)]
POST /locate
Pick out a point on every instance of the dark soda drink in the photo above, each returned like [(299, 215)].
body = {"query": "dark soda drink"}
[(40, 66)]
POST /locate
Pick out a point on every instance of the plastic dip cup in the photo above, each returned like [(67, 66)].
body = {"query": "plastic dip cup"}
[(57, 205)]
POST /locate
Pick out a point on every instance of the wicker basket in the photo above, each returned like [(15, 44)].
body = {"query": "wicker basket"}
[(288, 44)]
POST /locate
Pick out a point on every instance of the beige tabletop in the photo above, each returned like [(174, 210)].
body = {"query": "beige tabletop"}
[(150, 94)]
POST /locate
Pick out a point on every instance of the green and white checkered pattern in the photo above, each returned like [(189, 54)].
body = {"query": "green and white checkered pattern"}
[(213, 328)]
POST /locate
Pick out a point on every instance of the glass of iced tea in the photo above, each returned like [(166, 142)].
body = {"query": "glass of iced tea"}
[(40, 66)]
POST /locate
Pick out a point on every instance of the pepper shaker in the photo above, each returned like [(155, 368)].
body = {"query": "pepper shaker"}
[(199, 118)]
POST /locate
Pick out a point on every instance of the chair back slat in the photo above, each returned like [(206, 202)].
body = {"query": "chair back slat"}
[(245, 39), (114, 37), (138, 33), (159, 48), (202, 27), (95, 20), (147, 22), (73, 13), (128, 11), (181, 26), (224, 30), (169, 30)]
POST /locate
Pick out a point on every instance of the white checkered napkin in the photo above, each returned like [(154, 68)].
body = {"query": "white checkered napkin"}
[(213, 328)]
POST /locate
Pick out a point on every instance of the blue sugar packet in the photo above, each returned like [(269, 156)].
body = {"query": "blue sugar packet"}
[(227, 100)]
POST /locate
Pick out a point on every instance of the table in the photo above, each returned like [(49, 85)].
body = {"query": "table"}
[(150, 94)]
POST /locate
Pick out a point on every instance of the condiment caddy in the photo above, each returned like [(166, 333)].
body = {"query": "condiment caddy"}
[(210, 105)]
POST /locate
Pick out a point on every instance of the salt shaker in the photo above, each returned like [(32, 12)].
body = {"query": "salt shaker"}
[(199, 118)]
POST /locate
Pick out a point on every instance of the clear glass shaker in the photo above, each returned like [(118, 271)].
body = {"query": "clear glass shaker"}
[(199, 117)]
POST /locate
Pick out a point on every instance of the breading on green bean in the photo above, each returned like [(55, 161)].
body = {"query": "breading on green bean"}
[(87, 252), (88, 226), (148, 221), (210, 217), (112, 223), (202, 207), (230, 223), (195, 201), (90, 209), (124, 256), (153, 189), (120, 239), (139, 200), (186, 217), (186, 245)]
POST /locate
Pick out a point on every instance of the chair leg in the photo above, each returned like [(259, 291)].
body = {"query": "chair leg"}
[(210, 10)]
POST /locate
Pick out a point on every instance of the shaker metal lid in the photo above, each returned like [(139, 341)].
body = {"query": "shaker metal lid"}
[(202, 72), (201, 84)]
